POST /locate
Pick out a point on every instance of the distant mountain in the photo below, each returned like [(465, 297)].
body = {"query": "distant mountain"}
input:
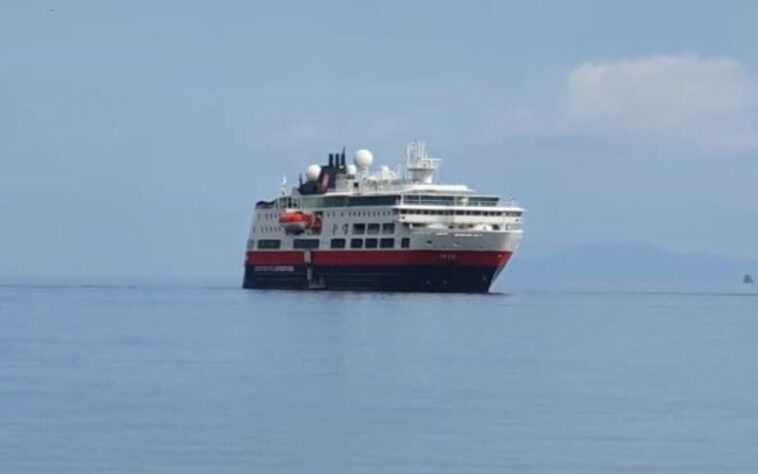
[(625, 264)]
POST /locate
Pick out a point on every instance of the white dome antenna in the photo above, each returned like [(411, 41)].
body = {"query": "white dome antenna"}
[(363, 159), (312, 172)]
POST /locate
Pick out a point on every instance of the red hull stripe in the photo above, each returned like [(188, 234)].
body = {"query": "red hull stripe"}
[(275, 258), (381, 258)]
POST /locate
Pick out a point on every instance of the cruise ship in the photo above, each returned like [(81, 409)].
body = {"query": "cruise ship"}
[(348, 227)]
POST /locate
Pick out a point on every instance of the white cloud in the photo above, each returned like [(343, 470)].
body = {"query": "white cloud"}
[(686, 102)]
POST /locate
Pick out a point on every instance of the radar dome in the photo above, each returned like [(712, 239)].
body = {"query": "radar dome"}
[(384, 172), (313, 172), (352, 170), (363, 158)]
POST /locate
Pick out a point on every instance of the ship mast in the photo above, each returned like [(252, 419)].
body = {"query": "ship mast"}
[(419, 165)]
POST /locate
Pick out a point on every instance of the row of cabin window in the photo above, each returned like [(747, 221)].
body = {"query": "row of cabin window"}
[(370, 243), (308, 244), (386, 228), (315, 202), (359, 213), (303, 244), (358, 229), (272, 216), (449, 200), (459, 213)]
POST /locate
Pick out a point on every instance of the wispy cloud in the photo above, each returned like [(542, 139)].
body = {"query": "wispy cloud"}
[(687, 102)]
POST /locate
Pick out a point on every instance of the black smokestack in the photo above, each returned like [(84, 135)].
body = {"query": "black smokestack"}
[(331, 159)]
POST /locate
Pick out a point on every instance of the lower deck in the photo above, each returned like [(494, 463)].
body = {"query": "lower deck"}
[(429, 271)]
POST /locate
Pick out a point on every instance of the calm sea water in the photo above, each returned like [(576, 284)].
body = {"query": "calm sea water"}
[(211, 379)]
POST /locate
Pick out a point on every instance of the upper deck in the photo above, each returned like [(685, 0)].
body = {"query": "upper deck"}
[(340, 185)]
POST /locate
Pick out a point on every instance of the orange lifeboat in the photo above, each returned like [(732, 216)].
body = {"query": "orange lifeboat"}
[(295, 222)]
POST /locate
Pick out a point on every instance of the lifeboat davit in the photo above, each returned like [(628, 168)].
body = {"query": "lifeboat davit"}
[(295, 222)]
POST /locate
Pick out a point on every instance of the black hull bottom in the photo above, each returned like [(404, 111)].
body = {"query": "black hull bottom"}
[(448, 279)]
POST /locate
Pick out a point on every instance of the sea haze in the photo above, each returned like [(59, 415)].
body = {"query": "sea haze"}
[(625, 265), (215, 379)]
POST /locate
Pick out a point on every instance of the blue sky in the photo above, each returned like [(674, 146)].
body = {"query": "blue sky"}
[(135, 136)]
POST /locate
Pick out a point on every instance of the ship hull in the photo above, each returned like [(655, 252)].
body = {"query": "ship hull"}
[(448, 272)]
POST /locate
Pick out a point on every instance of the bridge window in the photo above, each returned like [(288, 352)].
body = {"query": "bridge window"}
[(359, 229), (372, 243), (483, 201), (388, 228), (387, 243), (373, 228), (338, 243), (405, 243), (356, 243), (373, 200)]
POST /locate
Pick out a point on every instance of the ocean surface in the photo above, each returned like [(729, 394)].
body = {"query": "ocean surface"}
[(196, 379)]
